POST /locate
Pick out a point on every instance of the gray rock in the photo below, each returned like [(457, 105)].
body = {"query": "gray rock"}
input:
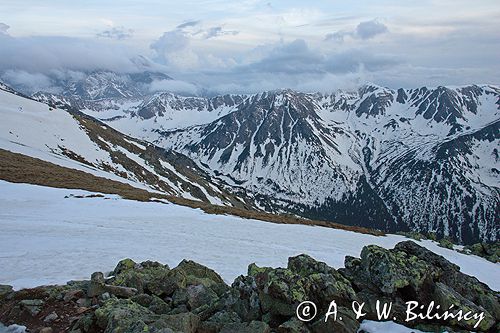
[(50, 317), (33, 306)]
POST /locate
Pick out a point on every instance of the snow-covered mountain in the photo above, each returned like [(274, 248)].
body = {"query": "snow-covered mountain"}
[(72, 139), (422, 159)]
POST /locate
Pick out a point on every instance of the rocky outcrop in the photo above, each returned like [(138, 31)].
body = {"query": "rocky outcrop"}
[(151, 297)]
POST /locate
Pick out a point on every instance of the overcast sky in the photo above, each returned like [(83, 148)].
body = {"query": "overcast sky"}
[(252, 45)]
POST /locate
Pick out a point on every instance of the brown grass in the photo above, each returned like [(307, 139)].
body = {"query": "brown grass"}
[(18, 168)]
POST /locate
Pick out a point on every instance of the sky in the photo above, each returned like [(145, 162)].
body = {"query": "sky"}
[(244, 46)]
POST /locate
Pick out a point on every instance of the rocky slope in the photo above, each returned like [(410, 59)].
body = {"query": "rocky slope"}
[(151, 297)]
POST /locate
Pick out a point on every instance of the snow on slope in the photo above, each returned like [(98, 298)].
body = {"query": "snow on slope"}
[(39, 244), (30, 128), (75, 141)]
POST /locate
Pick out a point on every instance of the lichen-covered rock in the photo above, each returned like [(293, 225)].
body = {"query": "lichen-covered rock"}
[(124, 265), (467, 286), (123, 316), (217, 321), (446, 297), (153, 303), (193, 298), (182, 322), (293, 326), (348, 323), (387, 271), (199, 295), (243, 298), (196, 274), (147, 276), (252, 327)]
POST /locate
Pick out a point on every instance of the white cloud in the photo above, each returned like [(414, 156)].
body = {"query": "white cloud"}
[(29, 81), (364, 30), (175, 86)]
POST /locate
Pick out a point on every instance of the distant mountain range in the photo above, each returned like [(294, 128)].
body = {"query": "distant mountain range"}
[(409, 159)]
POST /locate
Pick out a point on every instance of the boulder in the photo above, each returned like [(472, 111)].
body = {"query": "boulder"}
[(123, 316), (199, 295), (387, 271)]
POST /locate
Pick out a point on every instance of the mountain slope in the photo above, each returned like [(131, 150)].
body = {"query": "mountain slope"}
[(77, 141), (421, 159)]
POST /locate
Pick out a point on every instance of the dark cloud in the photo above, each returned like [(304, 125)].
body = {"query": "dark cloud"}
[(116, 33), (364, 30), (188, 24)]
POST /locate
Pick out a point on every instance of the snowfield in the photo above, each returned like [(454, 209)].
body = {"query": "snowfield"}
[(49, 239)]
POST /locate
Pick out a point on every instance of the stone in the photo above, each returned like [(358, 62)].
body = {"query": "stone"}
[(119, 291), (199, 295), (96, 286), (5, 290), (33, 306), (46, 330), (124, 265), (73, 295), (50, 317)]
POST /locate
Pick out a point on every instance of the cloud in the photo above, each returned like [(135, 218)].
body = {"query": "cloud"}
[(3, 28), (218, 31), (64, 53), (296, 57), (370, 29), (116, 33), (175, 86), (172, 49), (188, 24), (299, 66), (30, 82), (364, 31)]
